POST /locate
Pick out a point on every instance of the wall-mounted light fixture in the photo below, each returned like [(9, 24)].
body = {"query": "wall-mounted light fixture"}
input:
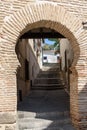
[(84, 25)]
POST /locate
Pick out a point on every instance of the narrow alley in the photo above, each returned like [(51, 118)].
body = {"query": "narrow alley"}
[(47, 106)]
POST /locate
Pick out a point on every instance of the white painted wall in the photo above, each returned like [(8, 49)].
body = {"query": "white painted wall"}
[(65, 45), (34, 67), (50, 58)]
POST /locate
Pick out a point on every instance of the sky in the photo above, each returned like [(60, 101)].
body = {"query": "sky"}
[(49, 42)]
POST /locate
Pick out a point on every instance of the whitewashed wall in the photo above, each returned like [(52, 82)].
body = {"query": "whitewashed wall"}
[(65, 46)]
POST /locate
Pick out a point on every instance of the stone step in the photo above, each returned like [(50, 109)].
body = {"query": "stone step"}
[(45, 115), (52, 65), (51, 87), (37, 87), (27, 123), (44, 75), (47, 86), (63, 127), (47, 80), (44, 128), (50, 72), (50, 69)]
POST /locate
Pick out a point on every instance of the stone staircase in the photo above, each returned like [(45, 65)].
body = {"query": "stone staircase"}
[(48, 80), (44, 109)]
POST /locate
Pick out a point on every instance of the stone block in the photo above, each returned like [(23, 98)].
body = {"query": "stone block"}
[(10, 127), (7, 117), (2, 127)]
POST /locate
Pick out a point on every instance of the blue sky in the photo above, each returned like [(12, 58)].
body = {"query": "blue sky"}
[(49, 42)]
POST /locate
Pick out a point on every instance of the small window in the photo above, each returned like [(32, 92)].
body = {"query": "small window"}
[(44, 57)]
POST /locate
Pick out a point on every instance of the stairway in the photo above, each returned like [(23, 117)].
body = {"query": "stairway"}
[(48, 80), (44, 109)]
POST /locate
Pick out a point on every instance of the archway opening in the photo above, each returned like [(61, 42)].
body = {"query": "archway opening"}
[(33, 16), (36, 83)]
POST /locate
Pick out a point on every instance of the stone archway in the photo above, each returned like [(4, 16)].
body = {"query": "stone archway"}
[(29, 17)]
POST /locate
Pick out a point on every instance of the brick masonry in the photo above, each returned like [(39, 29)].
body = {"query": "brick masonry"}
[(18, 16)]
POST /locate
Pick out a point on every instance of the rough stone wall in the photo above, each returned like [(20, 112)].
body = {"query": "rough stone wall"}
[(28, 16)]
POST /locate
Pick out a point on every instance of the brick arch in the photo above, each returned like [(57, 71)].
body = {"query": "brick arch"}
[(62, 29), (35, 15), (29, 17)]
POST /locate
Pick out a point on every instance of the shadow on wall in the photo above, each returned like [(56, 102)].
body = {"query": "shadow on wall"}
[(26, 71)]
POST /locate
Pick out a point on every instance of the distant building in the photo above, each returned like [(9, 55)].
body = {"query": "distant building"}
[(51, 57)]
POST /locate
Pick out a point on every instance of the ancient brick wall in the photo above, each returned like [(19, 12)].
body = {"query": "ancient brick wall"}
[(16, 17), (76, 7)]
